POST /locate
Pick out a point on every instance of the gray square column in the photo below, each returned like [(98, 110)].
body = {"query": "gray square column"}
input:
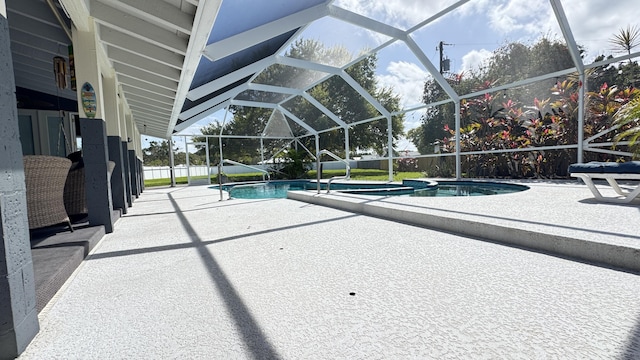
[(117, 176), (135, 181), (127, 173), (18, 314), (140, 170), (97, 184)]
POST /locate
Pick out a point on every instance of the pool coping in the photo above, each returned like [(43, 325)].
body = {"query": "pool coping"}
[(386, 188), (593, 249)]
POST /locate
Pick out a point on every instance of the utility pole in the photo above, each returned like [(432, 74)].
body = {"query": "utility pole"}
[(444, 63)]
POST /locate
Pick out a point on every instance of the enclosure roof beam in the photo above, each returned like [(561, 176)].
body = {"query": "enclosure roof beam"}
[(365, 94), (221, 82), (204, 113), (326, 111), (212, 102), (256, 104), (274, 89), (262, 33), (240, 136), (568, 35), (365, 22), (420, 107), (298, 92), (424, 60), (438, 15), (298, 121), (306, 64), (518, 83)]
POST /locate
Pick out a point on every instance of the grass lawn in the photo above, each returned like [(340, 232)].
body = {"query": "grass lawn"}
[(356, 174)]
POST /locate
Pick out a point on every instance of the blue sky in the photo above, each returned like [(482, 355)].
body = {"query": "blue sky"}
[(473, 31)]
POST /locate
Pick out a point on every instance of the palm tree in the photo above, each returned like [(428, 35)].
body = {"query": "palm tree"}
[(627, 38), (629, 114)]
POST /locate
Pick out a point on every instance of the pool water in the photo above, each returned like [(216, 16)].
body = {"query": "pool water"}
[(263, 190), (279, 189), (469, 188)]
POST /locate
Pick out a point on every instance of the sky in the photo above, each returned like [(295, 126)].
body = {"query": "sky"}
[(472, 32)]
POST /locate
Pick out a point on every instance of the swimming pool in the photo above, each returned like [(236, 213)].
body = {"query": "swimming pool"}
[(414, 187)]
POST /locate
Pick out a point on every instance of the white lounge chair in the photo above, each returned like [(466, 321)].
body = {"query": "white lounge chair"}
[(612, 172)]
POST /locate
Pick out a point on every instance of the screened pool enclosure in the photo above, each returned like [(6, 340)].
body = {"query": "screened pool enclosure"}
[(480, 88)]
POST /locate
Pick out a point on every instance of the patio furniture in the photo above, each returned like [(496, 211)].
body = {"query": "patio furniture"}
[(75, 199), (612, 172), (45, 177), (74, 193)]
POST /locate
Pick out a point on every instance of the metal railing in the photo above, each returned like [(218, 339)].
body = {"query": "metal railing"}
[(238, 164), (319, 168)]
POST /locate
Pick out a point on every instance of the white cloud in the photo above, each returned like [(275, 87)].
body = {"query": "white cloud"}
[(399, 13), (407, 80), (594, 22), (474, 59), (530, 17)]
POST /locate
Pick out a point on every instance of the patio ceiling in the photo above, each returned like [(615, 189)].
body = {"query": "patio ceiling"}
[(152, 48)]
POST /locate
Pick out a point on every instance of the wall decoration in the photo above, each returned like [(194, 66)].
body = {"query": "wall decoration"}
[(88, 96)]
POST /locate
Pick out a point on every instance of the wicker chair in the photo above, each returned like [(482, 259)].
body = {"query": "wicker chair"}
[(74, 191), (44, 178), (75, 198)]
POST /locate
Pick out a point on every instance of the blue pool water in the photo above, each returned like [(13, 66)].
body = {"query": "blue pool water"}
[(278, 189)]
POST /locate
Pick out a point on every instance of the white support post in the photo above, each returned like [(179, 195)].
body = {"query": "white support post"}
[(458, 150), (172, 163), (581, 105), (186, 156), (87, 67), (347, 146), (120, 111), (390, 146), (111, 106), (220, 143), (220, 147), (130, 131), (318, 163), (206, 151)]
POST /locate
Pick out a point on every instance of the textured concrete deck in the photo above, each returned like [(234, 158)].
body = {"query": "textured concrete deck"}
[(187, 276), (559, 217)]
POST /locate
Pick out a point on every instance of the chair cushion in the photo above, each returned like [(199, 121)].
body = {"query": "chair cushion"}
[(75, 156), (76, 160), (595, 167)]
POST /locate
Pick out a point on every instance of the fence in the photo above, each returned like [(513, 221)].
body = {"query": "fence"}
[(162, 172)]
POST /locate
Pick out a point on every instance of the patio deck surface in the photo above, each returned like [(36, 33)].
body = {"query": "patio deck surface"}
[(184, 275)]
